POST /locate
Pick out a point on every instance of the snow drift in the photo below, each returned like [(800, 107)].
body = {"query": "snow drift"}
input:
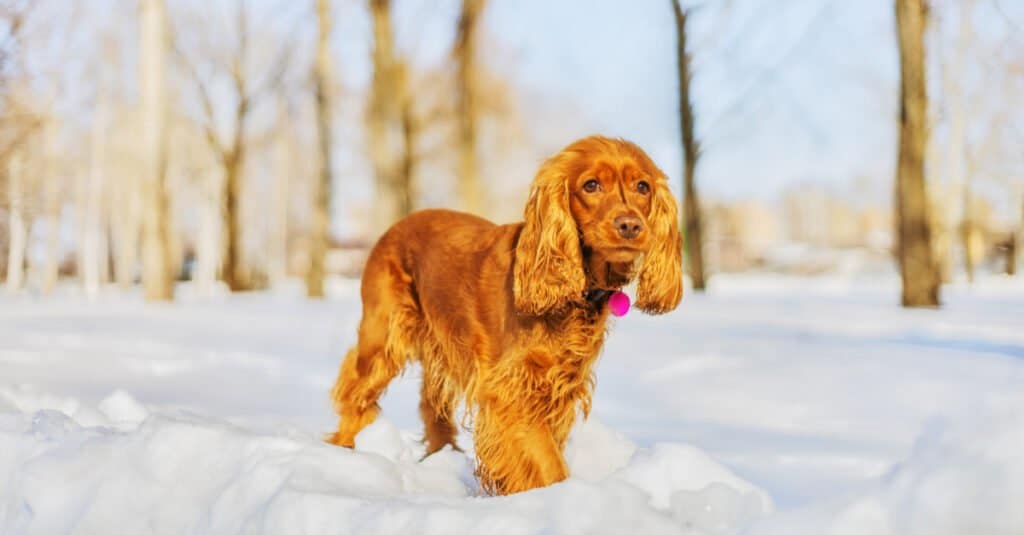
[(771, 405), (120, 467)]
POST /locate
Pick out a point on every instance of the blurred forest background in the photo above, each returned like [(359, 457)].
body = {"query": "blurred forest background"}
[(240, 144)]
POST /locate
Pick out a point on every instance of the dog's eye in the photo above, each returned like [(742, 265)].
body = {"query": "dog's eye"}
[(643, 187), (591, 186)]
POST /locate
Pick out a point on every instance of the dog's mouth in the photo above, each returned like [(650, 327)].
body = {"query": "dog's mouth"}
[(611, 249), (621, 253)]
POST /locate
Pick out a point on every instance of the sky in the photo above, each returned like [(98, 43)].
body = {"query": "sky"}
[(787, 93), (783, 90)]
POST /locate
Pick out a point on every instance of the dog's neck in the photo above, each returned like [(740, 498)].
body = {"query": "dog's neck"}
[(604, 277)]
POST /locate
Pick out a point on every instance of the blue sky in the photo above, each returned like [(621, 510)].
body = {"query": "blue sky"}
[(782, 93), (786, 92)]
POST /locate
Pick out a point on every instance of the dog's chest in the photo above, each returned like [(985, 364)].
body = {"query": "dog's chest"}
[(566, 350)]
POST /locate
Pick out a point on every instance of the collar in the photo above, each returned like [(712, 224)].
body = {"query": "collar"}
[(596, 296)]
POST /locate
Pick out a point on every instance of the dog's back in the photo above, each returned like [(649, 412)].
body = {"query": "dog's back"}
[(420, 293)]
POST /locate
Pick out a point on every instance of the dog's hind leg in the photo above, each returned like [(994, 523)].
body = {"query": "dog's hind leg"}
[(384, 347), (438, 400), (361, 381)]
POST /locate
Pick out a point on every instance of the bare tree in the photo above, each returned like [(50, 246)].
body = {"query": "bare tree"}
[(320, 232), (387, 93), (53, 202), (691, 153), (977, 139), (466, 105), (16, 126), (125, 203), (209, 235), (18, 223), (411, 129), (232, 145), (918, 269), (93, 260), (956, 155), (287, 165), (156, 274)]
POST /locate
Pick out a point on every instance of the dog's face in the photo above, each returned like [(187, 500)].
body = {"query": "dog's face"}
[(610, 199), (599, 205)]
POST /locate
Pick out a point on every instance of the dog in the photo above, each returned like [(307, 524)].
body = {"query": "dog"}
[(511, 318)]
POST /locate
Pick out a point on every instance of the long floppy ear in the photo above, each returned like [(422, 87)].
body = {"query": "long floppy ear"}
[(660, 284), (548, 270)]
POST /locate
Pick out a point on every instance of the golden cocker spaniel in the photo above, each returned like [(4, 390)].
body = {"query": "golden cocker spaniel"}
[(511, 318)]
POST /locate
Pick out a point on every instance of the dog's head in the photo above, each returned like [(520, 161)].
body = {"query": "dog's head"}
[(597, 209)]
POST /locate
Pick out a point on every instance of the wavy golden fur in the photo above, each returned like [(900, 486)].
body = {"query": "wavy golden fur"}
[(511, 318)]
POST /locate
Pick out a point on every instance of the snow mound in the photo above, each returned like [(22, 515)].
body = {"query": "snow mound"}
[(122, 467), (962, 476), (698, 491), (120, 406), (595, 451)]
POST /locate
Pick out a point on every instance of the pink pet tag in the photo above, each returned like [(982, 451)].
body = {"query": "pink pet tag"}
[(618, 304)]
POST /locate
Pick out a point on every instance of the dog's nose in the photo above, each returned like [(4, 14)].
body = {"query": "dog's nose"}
[(629, 227)]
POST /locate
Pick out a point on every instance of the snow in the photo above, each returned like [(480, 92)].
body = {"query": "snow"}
[(771, 405), (963, 476), (175, 473)]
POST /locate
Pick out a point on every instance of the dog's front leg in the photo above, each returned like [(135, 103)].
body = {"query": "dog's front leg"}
[(514, 455), (516, 446)]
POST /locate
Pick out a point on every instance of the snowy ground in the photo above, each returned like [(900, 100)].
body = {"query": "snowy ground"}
[(770, 405)]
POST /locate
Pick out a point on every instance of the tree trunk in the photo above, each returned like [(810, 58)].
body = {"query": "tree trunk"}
[(17, 226), (957, 156), (156, 276), (464, 52), (125, 223), (384, 123), (1020, 235), (1011, 254), (320, 238), (94, 257), (1017, 238), (231, 152), (236, 275), (918, 269), (51, 270), (209, 235), (969, 240), (691, 153), (286, 166), (407, 167)]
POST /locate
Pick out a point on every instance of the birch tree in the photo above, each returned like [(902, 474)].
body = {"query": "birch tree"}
[(156, 274), (125, 213), (286, 165), (93, 258), (17, 225), (320, 231), (956, 155), (209, 235), (53, 202)]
